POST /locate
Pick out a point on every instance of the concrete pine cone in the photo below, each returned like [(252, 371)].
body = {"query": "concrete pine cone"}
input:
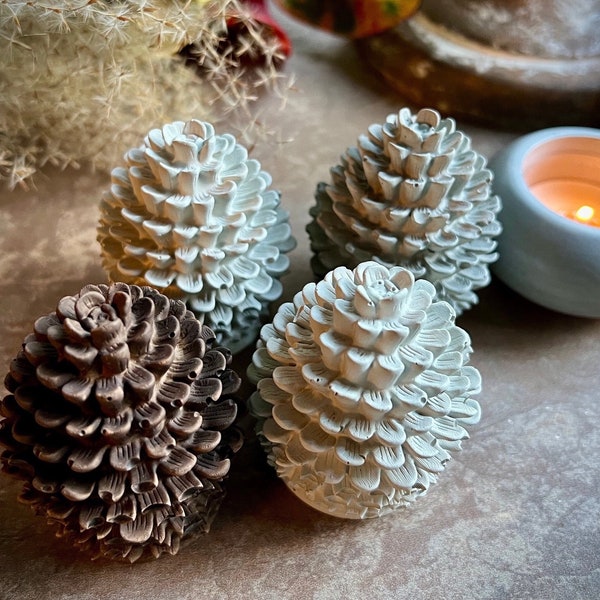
[(363, 390), (119, 421), (412, 193), (191, 215)]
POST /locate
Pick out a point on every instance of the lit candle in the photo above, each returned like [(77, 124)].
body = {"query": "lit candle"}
[(564, 174), (587, 215), (549, 184)]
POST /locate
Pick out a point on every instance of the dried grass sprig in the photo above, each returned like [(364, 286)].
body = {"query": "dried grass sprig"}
[(82, 80)]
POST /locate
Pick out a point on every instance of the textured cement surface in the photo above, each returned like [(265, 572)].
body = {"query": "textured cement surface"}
[(514, 516)]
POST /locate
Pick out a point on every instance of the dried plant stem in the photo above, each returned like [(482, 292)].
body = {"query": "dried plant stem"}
[(83, 80)]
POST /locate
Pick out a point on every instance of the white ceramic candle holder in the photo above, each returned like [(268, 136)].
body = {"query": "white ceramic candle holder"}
[(549, 182)]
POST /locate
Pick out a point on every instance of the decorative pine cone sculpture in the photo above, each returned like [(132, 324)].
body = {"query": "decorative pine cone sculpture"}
[(119, 421), (363, 390), (191, 215), (413, 193)]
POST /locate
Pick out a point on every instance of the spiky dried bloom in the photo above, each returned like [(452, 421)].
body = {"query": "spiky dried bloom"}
[(253, 48), (81, 81), (119, 421), (363, 390), (412, 193), (192, 215)]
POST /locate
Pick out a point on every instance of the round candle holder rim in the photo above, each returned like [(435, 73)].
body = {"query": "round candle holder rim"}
[(516, 152)]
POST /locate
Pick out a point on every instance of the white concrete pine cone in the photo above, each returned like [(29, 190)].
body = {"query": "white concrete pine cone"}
[(363, 390), (412, 193), (191, 215)]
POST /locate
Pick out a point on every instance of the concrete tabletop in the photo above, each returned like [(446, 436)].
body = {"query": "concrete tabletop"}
[(515, 515)]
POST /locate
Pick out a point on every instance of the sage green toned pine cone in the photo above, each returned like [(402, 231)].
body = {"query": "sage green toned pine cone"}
[(363, 390), (120, 421), (412, 193), (191, 215)]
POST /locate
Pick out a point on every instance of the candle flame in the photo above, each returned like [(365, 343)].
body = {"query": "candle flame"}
[(584, 214)]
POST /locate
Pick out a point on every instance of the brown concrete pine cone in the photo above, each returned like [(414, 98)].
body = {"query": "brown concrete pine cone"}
[(119, 421)]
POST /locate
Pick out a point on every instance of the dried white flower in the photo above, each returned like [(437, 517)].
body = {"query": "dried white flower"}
[(81, 81)]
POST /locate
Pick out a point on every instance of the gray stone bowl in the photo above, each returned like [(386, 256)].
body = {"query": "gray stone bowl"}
[(547, 254)]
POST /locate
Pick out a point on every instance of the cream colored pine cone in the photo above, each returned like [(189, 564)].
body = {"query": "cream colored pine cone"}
[(191, 215), (412, 193), (363, 390)]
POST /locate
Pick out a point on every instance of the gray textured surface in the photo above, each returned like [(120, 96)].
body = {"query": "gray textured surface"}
[(515, 515)]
